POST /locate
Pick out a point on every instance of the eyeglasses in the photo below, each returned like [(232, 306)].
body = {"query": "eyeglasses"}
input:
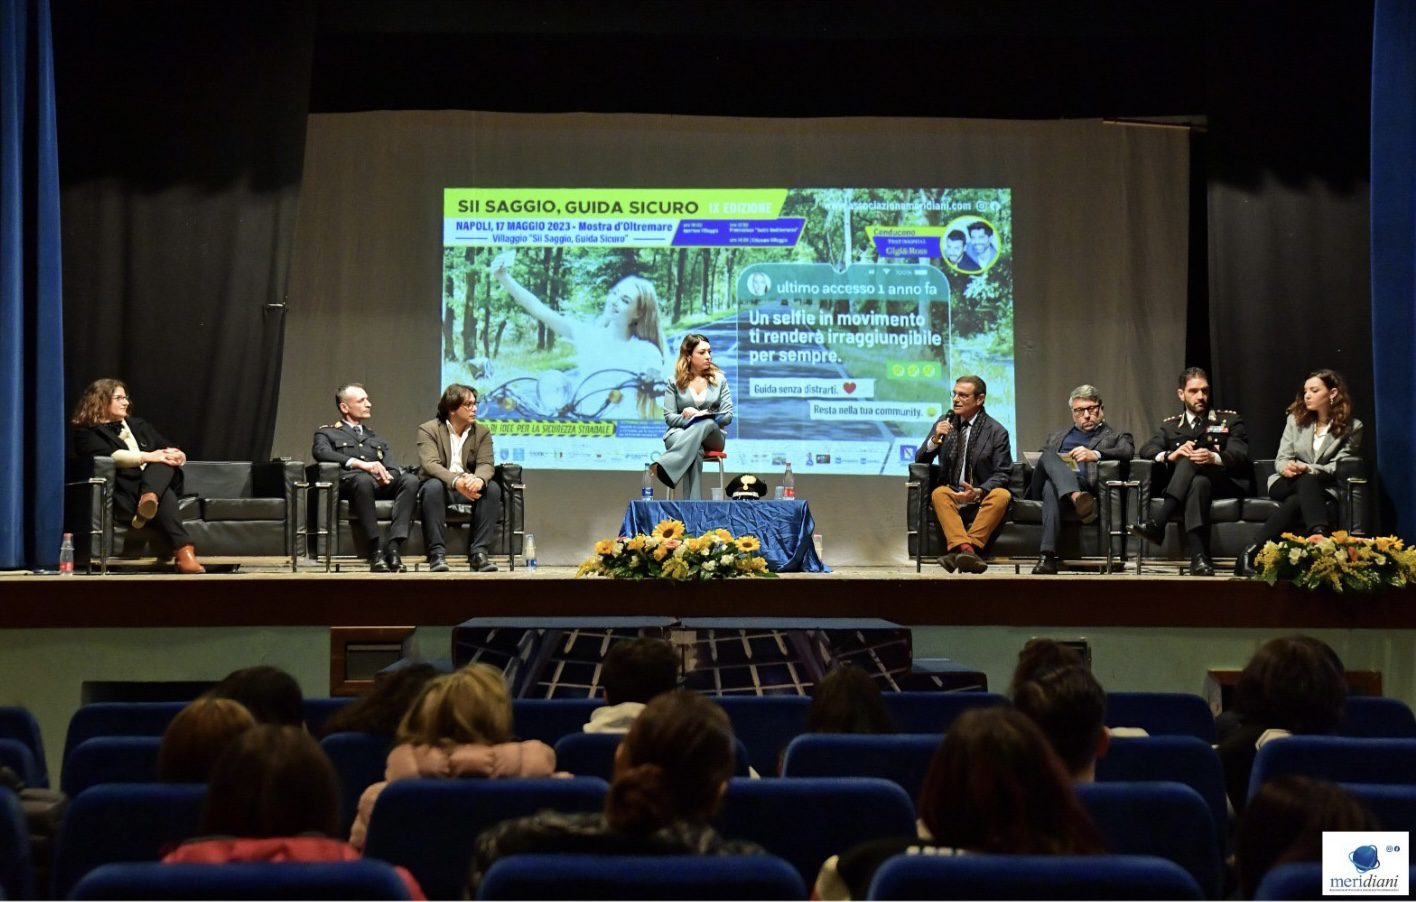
[(469, 403), (1084, 409)]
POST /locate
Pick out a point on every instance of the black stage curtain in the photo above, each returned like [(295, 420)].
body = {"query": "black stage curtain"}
[(181, 135)]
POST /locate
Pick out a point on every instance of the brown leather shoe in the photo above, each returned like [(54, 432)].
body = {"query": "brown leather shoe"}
[(147, 509), (186, 560)]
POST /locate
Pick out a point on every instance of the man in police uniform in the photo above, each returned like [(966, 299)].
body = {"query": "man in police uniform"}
[(367, 472), (1207, 454)]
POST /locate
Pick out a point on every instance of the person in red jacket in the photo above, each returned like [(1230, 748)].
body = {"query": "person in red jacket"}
[(273, 796)]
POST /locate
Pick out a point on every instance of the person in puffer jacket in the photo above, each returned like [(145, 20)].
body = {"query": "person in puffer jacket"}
[(459, 726)]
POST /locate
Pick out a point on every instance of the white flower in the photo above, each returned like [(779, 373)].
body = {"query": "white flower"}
[(680, 551), (709, 566), (725, 560), (1295, 556), (635, 561), (652, 541)]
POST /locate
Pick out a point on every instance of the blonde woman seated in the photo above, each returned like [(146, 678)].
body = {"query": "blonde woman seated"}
[(459, 726), (697, 405)]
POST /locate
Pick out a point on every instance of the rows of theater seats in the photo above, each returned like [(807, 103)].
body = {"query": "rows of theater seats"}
[(1159, 802)]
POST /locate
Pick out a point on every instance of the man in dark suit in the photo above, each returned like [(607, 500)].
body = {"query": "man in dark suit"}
[(1206, 452), (455, 454), (367, 472), (974, 460), (1067, 468)]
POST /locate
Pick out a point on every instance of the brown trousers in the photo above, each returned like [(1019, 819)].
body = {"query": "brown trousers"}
[(991, 511)]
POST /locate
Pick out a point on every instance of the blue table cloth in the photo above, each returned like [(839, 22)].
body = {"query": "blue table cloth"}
[(783, 527)]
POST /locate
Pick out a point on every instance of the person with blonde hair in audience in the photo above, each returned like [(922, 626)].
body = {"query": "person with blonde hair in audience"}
[(197, 736), (458, 726), (995, 785), (273, 796), (671, 771)]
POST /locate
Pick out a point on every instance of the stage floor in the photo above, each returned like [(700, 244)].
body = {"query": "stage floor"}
[(264, 592)]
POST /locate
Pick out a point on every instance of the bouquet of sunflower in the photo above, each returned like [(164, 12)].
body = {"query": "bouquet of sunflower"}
[(1340, 562), (667, 553)]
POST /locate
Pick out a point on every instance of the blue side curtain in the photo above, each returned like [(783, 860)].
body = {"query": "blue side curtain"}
[(31, 310), (1394, 255)]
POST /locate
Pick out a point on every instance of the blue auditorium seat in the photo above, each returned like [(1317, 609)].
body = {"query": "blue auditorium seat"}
[(123, 822), (1340, 759), (642, 877), (593, 755), (933, 712), (110, 759), (318, 710), (1179, 759), (1167, 820), (16, 866), (119, 719), (1376, 717), (17, 757), (359, 760), (1299, 880), (18, 723), (765, 724), (1393, 804), (245, 880), (902, 758), (806, 820), (548, 719), (430, 826), (1032, 877), (1161, 713)]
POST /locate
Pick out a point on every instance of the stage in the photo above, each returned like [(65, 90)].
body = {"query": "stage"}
[(266, 593)]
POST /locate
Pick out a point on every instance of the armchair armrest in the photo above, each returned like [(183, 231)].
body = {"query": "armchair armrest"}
[(1354, 508), (88, 513), (1144, 471)]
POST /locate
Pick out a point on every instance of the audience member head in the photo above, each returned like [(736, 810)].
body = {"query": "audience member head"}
[(1039, 656), (197, 736), (1284, 823), (674, 764), (1069, 706), (996, 785), (470, 706), (1292, 683), (272, 781), (636, 670), (269, 693), (847, 700), (381, 711)]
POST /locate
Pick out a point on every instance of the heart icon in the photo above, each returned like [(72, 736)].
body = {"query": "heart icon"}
[(850, 387)]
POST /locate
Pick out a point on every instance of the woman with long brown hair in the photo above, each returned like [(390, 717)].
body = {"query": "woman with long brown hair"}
[(1320, 432), (149, 467), (697, 405)]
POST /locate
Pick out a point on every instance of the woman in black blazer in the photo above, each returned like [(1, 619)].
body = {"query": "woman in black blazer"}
[(149, 467)]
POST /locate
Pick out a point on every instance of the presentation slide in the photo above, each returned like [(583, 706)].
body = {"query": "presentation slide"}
[(839, 316)]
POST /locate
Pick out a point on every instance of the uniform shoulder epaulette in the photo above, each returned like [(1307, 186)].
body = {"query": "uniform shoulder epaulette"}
[(331, 426), (1227, 413), (1174, 419)]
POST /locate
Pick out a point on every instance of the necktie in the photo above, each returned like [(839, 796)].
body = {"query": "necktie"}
[(964, 453), (358, 431)]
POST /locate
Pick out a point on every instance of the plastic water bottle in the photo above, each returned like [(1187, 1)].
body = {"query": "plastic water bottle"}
[(66, 555), (646, 486), (528, 551), (788, 483)]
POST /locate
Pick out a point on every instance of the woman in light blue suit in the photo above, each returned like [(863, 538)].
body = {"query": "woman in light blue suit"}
[(697, 405), (1320, 432)]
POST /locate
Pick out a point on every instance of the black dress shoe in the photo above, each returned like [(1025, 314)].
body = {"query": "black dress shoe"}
[(395, 562), (1201, 565), (479, 563), (1150, 530), (1046, 565), (947, 562), (437, 562), (1085, 506), (663, 476), (1244, 563), (377, 563)]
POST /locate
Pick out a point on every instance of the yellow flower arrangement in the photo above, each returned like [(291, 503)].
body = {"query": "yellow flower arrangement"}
[(668, 553), (1340, 562)]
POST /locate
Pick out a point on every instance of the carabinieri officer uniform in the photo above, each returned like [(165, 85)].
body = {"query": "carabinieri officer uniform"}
[(342, 443)]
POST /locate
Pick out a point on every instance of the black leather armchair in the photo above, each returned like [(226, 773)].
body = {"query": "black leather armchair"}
[(1020, 535), (324, 481), (230, 508), (1235, 522)]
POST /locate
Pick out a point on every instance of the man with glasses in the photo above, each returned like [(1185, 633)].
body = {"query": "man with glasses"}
[(974, 460), (1067, 468), (367, 473), (455, 452)]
